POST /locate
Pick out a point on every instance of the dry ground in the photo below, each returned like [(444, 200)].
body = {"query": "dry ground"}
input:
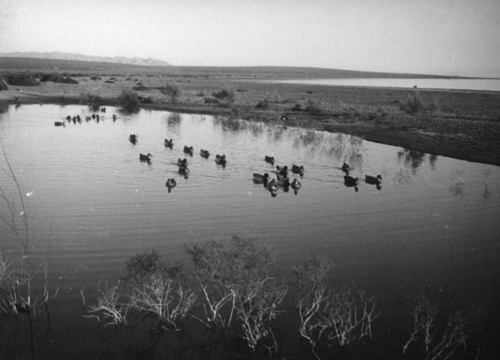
[(460, 124)]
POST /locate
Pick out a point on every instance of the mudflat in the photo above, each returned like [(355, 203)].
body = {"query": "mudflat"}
[(454, 123)]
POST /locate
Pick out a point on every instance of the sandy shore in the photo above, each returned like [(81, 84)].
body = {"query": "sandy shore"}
[(459, 124)]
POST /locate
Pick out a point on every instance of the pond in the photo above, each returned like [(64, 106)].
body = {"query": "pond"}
[(420, 83), (432, 227)]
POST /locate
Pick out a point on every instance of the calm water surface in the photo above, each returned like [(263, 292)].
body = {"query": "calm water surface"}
[(456, 84), (432, 228)]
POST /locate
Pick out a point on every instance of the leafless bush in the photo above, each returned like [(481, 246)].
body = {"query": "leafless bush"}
[(332, 315), (109, 306), (236, 287), (437, 344), (162, 296)]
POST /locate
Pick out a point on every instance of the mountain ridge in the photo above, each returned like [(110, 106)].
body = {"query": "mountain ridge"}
[(59, 55)]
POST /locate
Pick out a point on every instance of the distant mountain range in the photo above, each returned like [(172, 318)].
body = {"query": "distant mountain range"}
[(80, 57)]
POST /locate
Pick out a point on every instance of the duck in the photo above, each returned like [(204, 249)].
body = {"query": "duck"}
[(204, 153), (282, 170), (350, 181), (147, 157), (298, 169), (345, 168), (295, 185), (59, 123), (269, 159), (133, 138), (182, 162), (114, 117), (260, 179), (183, 170), (283, 180), (169, 143), (188, 150), (220, 159), (374, 180), (272, 186), (170, 184)]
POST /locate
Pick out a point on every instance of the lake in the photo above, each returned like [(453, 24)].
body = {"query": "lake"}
[(451, 84), (431, 228)]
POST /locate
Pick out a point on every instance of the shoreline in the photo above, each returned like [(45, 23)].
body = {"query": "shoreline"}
[(465, 125)]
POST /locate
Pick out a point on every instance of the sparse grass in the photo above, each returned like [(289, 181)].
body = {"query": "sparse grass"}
[(172, 91)]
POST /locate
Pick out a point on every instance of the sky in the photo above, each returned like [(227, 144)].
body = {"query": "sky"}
[(448, 37)]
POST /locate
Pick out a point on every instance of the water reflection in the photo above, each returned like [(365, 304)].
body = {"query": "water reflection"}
[(486, 192), (457, 186), (413, 158)]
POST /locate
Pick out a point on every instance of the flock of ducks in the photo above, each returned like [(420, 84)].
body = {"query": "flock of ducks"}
[(182, 164), (77, 118), (281, 181)]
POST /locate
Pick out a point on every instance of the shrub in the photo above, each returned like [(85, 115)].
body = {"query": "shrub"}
[(95, 78), (210, 100), (224, 96), (172, 91), (313, 108), (129, 100), (21, 79), (412, 104), (331, 315), (57, 78), (263, 104), (236, 287), (93, 100), (297, 107)]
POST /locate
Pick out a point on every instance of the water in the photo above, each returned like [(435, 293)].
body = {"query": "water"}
[(432, 228), (454, 84)]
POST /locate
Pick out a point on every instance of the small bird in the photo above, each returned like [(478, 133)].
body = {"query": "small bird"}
[(133, 138), (182, 162), (183, 170), (204, 153), (295, 185), (298, 169), (272, 186), (374, 180), (170, 184), (269, 159), (349, 181), (188, 150), (220, 160), (146, 158), (169, 143), (282, 170), (260, 179)]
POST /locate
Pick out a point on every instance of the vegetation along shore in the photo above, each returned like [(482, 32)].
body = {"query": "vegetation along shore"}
[(455, 123)]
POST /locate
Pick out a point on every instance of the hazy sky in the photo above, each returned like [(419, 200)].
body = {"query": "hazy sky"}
[(457, 37)]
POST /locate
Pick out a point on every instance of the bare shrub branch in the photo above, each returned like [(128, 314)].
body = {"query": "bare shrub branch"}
[(437, 345)]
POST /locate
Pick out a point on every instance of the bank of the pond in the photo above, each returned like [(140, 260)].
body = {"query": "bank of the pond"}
[(458, 124)]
